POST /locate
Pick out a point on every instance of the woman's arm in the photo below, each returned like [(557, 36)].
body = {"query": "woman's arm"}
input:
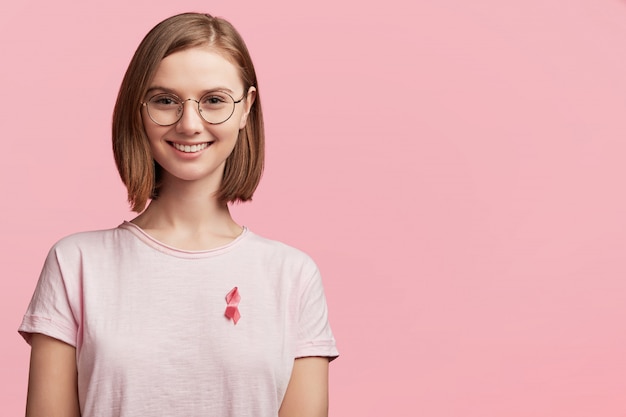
[(307, 392), (52, 381)]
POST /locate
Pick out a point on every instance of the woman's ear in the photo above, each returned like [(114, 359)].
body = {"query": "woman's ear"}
[(248, 102)]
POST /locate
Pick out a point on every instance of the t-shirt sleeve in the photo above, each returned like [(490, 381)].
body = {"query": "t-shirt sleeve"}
[(315, 337), (52, 310)]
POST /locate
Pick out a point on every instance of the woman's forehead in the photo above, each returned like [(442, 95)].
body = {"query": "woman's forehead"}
[(197, 68)]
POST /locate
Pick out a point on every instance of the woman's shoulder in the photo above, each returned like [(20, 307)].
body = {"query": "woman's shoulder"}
[(85, 240), (277, 249), (273, 245)]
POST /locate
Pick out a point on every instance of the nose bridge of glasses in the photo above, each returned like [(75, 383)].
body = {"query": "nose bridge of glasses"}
[(190, 99), (197, 106)]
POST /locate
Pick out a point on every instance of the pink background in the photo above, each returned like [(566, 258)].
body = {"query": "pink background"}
[(456, 168)]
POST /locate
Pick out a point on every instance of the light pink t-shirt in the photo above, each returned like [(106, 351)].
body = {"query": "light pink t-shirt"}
[(149, 326)]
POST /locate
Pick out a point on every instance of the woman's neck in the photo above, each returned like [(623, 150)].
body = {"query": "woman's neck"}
[(186, 218)]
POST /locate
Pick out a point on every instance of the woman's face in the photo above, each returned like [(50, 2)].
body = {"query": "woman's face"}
[(192, 149)]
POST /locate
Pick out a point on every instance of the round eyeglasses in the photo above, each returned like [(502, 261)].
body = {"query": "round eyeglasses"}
[(166, 109)]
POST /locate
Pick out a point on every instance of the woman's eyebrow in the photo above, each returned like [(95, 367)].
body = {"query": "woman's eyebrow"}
[(159, 88)]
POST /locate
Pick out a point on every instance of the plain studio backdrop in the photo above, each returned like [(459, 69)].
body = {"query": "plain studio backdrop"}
[(456, 168)]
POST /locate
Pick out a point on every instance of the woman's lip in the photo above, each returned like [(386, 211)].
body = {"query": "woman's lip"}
[(190, 147)]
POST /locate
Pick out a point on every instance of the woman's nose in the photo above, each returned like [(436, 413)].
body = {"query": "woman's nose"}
[(190, 122)]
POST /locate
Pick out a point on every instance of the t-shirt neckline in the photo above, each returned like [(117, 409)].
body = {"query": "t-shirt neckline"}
[(181, 253)]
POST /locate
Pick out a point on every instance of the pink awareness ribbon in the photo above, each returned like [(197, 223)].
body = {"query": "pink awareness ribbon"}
[(232, 301)]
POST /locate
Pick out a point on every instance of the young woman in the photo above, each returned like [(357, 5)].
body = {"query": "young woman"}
[(181, 311)]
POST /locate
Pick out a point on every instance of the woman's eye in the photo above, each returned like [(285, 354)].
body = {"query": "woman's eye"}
[(165, 101), (212, 100)]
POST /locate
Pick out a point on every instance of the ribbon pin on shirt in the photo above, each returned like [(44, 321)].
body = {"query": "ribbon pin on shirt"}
[(232, 301)]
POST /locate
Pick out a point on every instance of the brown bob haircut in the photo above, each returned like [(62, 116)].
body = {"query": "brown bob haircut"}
[(138, 170)]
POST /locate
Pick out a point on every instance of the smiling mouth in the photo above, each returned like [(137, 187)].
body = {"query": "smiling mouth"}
[(190, 148)]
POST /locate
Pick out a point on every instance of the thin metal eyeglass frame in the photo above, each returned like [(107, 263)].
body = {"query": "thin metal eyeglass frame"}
[(182, 105)]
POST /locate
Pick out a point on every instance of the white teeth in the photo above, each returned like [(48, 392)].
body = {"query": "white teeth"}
[(190, 148)]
